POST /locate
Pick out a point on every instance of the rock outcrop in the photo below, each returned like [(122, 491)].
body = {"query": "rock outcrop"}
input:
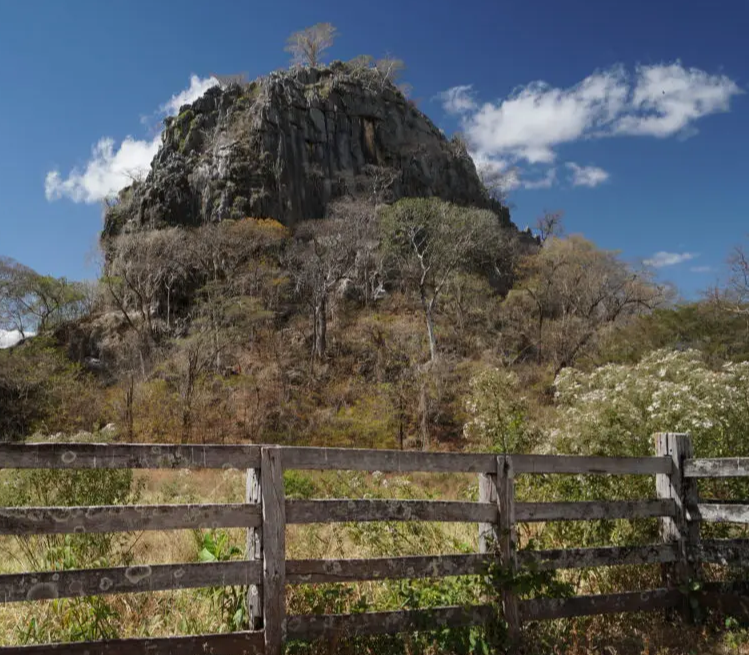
[(285, 145)]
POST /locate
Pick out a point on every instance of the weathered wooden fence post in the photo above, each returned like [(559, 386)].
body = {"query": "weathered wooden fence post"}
[(488, 532), (502, 537), (274, 549), (254, 552), (508, 539), (678, 529)]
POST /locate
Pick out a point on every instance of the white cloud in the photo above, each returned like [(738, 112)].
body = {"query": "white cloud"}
[(107, 171), (662, 258), (668, 98), (701, 269), (589, 176), (458, 99), (545, 182), (9, 338), (198, 86), (113, 167), (530, 124)]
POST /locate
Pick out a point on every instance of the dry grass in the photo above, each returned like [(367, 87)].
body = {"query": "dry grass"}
[(192, 611)]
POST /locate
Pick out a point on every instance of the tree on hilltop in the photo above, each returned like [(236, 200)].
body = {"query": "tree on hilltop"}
[(308, 45)]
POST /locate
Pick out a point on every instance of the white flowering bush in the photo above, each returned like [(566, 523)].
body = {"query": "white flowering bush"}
[(616, 409)]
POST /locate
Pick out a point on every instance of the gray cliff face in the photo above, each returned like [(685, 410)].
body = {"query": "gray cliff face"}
[(286, 145)]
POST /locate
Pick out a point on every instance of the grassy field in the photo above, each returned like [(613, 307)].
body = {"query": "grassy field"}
[(219, 610)]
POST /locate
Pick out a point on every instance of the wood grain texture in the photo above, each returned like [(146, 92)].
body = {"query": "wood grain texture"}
[(574, 464), (385, 568), (720, 467), (344, 511), (542, 609), (583, 558), (508, 540), (274, 550), (235, 643), (719, 513), (124, 518), (488, 532), (253, 495), (720, 551), (593, 510), (125, 580), (311, 627), (127, 456), (385, 461)]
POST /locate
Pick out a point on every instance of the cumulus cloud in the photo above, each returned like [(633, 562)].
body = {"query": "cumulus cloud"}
[(701, 269), (113, 166), (663, 258), (198, 86), (589, 176), (106, 172), (9, 338), (529, 125), (458, 99)]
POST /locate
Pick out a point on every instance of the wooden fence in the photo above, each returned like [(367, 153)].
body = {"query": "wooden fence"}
[(266, 513)]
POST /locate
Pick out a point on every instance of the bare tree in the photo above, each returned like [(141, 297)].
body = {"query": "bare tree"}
[(322, 255), (569, 293), (549, 225), (429, 240), (308, 45)]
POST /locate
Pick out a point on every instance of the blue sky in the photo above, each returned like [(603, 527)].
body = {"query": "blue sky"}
[(630, 117)]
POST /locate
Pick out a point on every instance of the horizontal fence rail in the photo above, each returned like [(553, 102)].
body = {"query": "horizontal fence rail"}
[(126, 580), (125, 518), (266, 572)]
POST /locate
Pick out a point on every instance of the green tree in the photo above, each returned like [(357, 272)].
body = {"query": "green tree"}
[(429, 241)]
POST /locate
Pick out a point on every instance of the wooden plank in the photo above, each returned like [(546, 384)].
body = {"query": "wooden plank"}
[(385, 461), (583, 558), (590, 465), (385, 568), (128, 456), (719, 513), (344, 511), (719, 467), (508, 541), (542, 609), (124, 518), (488, 532), (254, 551), (315, 626), (675, 529), (274, 550), (720, 551), (20, 587), (234, 643), (592, 510)]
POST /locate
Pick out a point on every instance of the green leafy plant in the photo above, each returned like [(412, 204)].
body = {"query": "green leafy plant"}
[(231, 601)]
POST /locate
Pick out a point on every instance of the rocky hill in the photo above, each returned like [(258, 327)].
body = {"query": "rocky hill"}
[(287, 144)]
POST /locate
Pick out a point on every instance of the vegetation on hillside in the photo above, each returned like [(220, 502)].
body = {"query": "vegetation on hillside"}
[(415, 325)]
